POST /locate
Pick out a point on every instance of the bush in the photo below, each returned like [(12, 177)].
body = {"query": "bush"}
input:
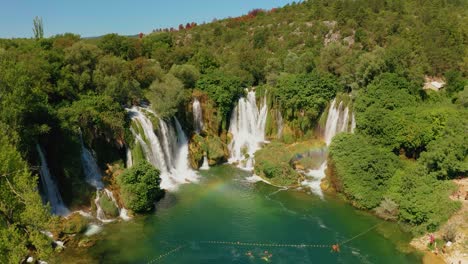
[(387, 209), (139, 187), (74, 224), (449, 233), (364, 169), (222, 88)]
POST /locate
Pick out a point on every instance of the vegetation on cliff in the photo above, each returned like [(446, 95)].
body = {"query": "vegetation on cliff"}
[(139, 187), (304, 53), (401, 151)]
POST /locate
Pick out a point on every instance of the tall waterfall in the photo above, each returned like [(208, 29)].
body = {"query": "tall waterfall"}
[(166, 147), (197, 116), (50, 188), (338, 119), (247, 127), (90, 167)]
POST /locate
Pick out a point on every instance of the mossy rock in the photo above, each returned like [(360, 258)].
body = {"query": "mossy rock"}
[(74, 224), (288, 135), (137, 152), (272, 163), (197, 147), (108, 206), (86, 243), (216, 149)]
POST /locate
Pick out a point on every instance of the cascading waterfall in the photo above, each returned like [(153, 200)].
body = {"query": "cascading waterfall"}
[(198, 125), (197, 116), (100, 215), (93, 177), (52, 193), (205, 165), (129, 161), (91, 170), (337, 121), (167, 148), (247, 127)]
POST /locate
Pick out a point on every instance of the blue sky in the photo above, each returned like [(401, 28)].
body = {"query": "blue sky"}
[(97, 17)]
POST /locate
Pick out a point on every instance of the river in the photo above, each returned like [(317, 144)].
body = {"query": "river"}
[(209, 222)]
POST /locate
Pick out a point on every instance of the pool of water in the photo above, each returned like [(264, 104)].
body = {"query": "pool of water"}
[(226, 219)]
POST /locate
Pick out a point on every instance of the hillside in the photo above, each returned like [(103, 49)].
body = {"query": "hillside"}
[(65, 94)]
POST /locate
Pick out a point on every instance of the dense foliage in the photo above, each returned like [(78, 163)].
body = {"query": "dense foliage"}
[(22, 215), (139, 187), (406, 145), (301, 55)]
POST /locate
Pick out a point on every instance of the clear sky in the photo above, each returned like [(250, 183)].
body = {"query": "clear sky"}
[(97, 17)]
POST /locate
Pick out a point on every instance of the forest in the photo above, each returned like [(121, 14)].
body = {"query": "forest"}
[(408, 143)]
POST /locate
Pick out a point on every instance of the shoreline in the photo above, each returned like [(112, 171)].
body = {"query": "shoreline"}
[(457, 252)]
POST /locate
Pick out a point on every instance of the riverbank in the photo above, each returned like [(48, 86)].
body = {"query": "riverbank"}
[(457, 252)]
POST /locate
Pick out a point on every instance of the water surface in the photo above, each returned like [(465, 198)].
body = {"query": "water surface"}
[(227, 208)]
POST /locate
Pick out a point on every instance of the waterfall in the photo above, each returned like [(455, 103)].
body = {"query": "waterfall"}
[(247, 127), (353, 123), (99, 212), (52, 193), (100, 215), (197, 116), (166, 147), (91, 170), (129, 159), (205, 165), (93, 177), (337, 121), (279, 122)]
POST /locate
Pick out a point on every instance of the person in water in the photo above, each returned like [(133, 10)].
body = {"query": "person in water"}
[(249, 254), (336, 248), (266, 256)]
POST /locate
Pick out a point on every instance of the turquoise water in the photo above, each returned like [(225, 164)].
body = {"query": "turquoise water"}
[(223, 206)]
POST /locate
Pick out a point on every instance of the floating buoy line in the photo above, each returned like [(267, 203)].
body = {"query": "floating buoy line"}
[(262, 244)]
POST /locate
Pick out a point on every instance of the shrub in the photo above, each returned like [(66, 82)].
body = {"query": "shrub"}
[(139, 187), (387, 209), (449, 233)]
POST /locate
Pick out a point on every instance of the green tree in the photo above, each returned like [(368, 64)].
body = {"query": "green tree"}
[(166, 95), (187, 73), (95, 115), (38, 28), (113, 77), (119, 46), (139, 187), (223, 89), (22, 215)]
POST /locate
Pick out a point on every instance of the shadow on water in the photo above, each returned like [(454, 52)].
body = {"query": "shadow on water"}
[(226, 219)]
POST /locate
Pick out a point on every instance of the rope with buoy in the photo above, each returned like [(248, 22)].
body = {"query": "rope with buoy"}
[(166, 254), (261, 244), (334, 247), (360, 234)]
